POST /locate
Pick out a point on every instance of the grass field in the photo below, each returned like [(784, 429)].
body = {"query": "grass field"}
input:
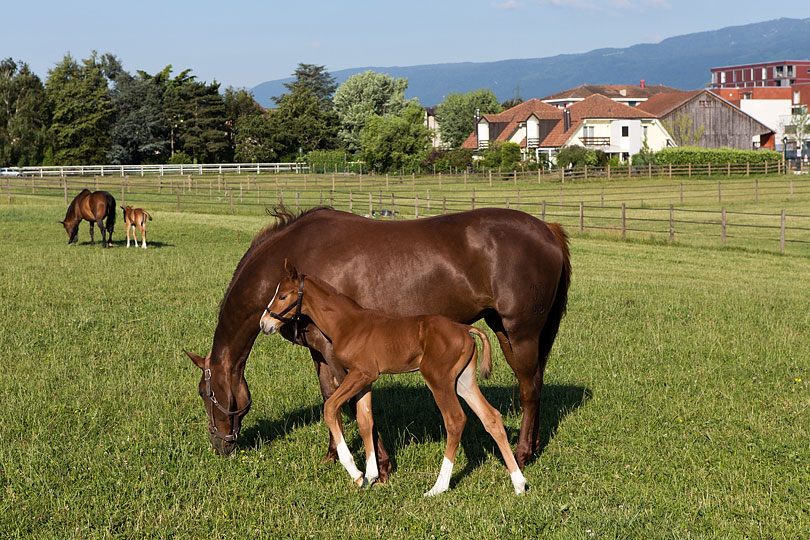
[(675, 405)]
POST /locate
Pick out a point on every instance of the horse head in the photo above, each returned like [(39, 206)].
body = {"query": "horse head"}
[(287, 296), (72, 229), (215, 390)]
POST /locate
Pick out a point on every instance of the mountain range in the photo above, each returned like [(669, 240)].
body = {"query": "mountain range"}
[(680, 62)]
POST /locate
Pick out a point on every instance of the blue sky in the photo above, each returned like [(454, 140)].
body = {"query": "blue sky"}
[(254, 41)]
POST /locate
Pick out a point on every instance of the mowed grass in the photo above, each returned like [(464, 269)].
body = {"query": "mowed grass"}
[(675, 404)]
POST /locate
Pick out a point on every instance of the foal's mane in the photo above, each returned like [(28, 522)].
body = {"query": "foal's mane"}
[(283, 218)]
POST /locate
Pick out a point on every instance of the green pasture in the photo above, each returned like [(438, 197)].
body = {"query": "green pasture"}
[(676, 399)]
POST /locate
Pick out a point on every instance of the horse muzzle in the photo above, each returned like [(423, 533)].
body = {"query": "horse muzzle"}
[(221, 447), (268, 325)]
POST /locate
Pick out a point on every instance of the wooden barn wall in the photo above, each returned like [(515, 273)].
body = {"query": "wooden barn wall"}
[(724, 126)]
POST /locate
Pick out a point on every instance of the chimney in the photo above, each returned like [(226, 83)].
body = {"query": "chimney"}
[(566, 120), (643, 85), (476, 119)]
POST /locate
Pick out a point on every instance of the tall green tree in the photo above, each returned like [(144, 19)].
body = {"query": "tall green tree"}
[(456, 113), (363, 96), (239, 104), (140, 133), (258, 139), (315, 79), (23, 115), (79, 97), (396, 142)]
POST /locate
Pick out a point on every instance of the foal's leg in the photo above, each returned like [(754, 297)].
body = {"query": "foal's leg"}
[(143, 233), (130, 226), (354, 382), (441, 384), (467, 387), (365, 425)]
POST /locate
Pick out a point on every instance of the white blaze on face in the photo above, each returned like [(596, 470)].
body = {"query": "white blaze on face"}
[(267, 323)]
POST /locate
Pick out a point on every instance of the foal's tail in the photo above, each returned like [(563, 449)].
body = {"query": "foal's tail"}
[(147, 214), (485, 366)]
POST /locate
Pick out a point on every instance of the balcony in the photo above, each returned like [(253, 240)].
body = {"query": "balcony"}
[(595, 141), (532, 142), (483, 144)]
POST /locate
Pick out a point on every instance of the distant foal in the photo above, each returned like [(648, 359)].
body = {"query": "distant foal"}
[(136, 217), (367, 343)]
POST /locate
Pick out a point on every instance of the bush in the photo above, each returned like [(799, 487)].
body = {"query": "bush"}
[(325, 161), (180, 158), (510, 156), (448, 160), (578, 156), (715, 156)]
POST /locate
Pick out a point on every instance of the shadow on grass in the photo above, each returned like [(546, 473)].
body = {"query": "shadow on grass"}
[(123, 243), (405, 414)]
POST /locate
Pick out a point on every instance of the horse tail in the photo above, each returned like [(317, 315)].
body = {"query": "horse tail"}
[(147, 214), (558, 307), (110, 212), (485, 367)]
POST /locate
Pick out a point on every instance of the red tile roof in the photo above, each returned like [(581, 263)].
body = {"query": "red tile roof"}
[(663, 104), (616, 91)]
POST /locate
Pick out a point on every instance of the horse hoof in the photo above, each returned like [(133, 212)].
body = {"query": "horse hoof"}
[(360, 482)]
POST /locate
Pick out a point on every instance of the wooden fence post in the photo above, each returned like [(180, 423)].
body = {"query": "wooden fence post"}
[(518, 197), (64, 183), (444, 205), (123, 200), (370, 205), (624, 221), (490, 179), (351, 202), (8, 189), (230, 197), (782, 233), (756, 190), (671, 224), (581, 217), (723, 226), (177, 192), (681, 193), (603, 196), (608, 171), (416, 207), (473, 199), (719, 193), (560, 198), (544, 210)]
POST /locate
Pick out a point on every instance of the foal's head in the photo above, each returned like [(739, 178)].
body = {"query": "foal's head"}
[(280, 309)]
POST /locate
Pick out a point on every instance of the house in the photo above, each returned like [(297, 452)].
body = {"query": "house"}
[(764, 74), (432, 123), (776, 107), (701, 118), (595, 122), (628, 94)]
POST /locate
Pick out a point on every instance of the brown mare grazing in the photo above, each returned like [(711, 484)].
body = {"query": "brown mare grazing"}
[(94, 207), (367, 343), (504, 266), (136, 217)]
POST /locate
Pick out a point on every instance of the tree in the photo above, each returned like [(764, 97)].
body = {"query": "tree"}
[(140, 133), (257, 139), (315, 79), (79, 97), (396, 142), (363, 96), (512, 102), (800, 121), (682, 130), (239, 104), (456, 113), (23, 115)]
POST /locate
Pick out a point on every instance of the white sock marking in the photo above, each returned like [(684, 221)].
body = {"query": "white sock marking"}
[(443, 481), (347, 460), (371, 469), (519, 481)]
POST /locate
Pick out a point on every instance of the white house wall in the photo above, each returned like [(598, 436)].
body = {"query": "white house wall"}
[(770, 112)]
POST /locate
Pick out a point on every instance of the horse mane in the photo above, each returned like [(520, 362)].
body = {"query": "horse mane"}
[(71, 211), (283, 218)]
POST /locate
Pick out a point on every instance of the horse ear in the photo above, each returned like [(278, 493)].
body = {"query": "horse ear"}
[(291, 270), (198, 360)]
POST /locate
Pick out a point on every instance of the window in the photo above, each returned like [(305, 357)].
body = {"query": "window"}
[(625, 131), (588, 131), (722, 77), (764, 74), (644, 132)]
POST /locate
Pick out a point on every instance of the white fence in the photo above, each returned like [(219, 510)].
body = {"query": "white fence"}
[(161, 170)]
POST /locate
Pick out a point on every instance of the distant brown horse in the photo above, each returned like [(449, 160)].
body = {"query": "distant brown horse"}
[(504, 266), (367, 343), (94, 207), (136, 217)]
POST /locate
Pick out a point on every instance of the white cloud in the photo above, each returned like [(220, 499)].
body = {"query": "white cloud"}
[(508, 4), (315, 44)]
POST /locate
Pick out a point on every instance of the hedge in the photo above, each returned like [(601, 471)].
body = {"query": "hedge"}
[(719, 156)]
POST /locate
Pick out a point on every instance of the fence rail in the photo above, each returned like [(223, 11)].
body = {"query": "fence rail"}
[(161, 170), (692, 212)]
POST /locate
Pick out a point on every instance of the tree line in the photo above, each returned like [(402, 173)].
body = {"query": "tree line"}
[(93, 111)]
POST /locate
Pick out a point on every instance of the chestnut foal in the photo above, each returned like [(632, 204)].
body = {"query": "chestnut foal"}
[(136, 217), (367, 343)]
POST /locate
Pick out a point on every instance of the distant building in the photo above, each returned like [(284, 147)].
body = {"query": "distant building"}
[(784, 73), (595, 122), (702, 118), (628, 94)]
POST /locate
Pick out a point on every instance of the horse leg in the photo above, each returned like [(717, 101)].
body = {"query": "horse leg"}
[(92, 231), (129, 226), (467, 388), (103, 232), (365, 425), (441, 384), (354, 382), (321, 352), (522, 353), (143, 234)]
